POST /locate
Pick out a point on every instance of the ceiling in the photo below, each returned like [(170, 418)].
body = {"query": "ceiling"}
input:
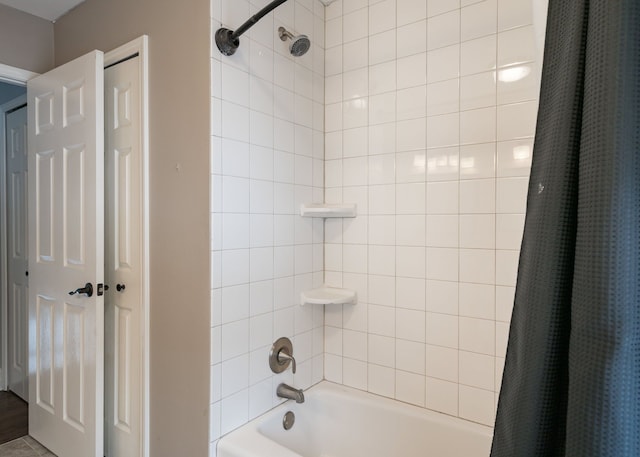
[(54, 9), (46, 9)]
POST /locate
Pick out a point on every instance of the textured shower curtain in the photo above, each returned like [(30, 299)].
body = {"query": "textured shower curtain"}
[(571, 384)]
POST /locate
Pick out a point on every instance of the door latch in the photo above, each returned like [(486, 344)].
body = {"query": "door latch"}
[(102, 288)]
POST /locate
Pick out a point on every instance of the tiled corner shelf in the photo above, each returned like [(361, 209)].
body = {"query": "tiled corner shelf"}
[(328, 210), (328, 296)]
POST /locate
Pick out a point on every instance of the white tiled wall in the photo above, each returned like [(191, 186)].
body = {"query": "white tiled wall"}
[(429, 117), (420, 111), (267, 150)]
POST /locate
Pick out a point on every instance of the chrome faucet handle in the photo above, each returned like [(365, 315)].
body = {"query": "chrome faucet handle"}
[(284, 358), (281, 355)]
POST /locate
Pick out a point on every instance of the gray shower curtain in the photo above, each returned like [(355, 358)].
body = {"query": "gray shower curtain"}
[(571, 385)]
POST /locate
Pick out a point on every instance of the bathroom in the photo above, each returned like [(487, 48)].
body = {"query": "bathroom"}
[(422, 113), (406, 132)]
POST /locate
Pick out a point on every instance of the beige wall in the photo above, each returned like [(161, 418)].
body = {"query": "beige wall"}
[(26, 41), (179, 173)]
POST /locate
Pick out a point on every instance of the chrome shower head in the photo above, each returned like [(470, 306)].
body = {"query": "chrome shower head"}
[(299, 44)]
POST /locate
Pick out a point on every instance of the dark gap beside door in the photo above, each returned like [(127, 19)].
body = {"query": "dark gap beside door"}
[(14, 417)]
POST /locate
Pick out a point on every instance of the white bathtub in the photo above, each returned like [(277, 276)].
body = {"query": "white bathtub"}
[(337, 421)]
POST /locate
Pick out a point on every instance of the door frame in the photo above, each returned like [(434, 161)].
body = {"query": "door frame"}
[(139, 47), (19, 77)]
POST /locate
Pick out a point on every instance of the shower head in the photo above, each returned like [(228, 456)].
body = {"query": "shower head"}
[(299, 44)]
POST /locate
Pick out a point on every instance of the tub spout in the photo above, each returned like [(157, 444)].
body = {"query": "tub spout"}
[(286, 391)]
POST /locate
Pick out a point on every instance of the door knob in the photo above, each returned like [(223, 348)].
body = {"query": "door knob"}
[(120, 287), (87, 289)]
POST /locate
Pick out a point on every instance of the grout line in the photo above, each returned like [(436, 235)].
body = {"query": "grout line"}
[(495, 217), (395, 204), (426, 199), (460, 76)]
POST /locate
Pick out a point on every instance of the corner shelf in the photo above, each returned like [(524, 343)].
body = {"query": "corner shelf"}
[(328, 296), (328, 210)]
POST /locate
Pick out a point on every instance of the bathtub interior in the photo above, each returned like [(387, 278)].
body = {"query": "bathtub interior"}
[(336, 421)]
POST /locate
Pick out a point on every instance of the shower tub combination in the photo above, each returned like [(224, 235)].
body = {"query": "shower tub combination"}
[(337, 421)]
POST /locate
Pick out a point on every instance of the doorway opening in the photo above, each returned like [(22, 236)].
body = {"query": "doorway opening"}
[(14, 287)]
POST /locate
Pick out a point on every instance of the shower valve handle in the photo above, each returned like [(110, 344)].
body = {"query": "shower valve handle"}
[(284, 358), (281, 355)]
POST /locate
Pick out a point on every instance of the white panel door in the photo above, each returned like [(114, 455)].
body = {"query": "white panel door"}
[(123, 301), (17, 270), (66, 251)]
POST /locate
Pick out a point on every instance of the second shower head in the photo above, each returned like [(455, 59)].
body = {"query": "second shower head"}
[(299, 44)]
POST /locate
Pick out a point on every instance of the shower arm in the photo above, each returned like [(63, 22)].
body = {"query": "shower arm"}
[(228, 40), (256, 17)]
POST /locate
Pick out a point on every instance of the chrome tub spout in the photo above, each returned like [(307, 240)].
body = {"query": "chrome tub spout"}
[(288, 392)]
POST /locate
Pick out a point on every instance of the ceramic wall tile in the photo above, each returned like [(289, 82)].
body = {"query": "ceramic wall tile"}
[(421, 112)]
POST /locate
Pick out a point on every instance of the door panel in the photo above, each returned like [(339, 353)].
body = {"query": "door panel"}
[(66, 251), (123, 316), (73, 206), (45, 192), (44, 391), (16, 142), (122, 211), (74, 365)]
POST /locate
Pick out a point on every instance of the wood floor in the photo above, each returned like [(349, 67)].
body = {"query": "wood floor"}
[(14, 419)]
